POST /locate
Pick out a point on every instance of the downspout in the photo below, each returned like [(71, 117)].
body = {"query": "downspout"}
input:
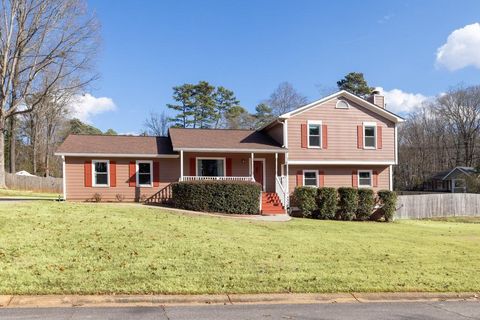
[(64, 180)]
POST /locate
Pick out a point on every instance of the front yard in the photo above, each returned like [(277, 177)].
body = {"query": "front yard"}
[(48, 248)]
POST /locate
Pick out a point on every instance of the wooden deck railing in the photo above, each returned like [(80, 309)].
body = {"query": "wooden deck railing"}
[(197, 178), (164, 196)]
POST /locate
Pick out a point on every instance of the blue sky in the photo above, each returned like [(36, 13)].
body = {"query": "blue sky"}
[(251, 46)]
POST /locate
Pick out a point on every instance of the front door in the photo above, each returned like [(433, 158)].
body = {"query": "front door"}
[(258, 171)]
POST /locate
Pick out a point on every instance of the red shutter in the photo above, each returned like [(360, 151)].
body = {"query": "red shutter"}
[(87, 169), (321, 179), (354, 179), (304, 135), (132, 174), (192, 167), (113, 174), (379, 137), (299, 178), (359, 137), (324, 137), (229, 167), (156, 173), (375, 178)]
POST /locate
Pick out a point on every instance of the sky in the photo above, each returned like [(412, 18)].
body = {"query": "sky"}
[(413, 50)]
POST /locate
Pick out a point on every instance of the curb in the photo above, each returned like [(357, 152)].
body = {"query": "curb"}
[(54, 301)]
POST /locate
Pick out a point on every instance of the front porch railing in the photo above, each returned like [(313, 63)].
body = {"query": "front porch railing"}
[(198, 178), (280, 189)]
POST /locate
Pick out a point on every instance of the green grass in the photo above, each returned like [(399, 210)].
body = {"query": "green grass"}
[(24, 193), (54, 248), (457, 219)]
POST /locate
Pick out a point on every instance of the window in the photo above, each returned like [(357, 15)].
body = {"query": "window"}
[(100, 173), (342, 104), (211, 167), (369, 135), (144, 173), (310, 178), (365, 178), (314, 134)]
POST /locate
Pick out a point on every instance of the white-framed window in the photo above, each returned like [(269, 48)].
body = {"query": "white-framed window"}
[(144, 173), (211, 167), (314, 133), (100, 173), (369, 135), (342, 104), (365, 178), (310, 178)]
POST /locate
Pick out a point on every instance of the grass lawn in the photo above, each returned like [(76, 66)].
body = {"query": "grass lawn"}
[(24, 193), (465, 219), (48, 248)]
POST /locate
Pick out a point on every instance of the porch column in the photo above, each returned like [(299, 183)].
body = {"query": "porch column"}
[(181, 165), (251, 165), (276, 164)]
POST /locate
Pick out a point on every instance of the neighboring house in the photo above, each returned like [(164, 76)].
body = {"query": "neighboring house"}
[(340, 140), (452, 180)]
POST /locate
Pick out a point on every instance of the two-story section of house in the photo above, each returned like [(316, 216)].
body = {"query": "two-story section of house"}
[(340, 140)]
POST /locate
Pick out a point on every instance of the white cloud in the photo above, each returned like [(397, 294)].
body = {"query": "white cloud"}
[(85, 106), (462, 49), (402, 102)]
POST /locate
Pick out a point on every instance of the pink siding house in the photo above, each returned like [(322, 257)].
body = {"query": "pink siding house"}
[(340, 140)]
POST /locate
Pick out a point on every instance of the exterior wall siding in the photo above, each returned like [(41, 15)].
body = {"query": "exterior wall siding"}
[(342, 134), (340, 176)]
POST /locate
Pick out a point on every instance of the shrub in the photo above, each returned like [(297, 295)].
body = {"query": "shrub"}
[(305, 200), (388, 201), (327, 203), (366, 204), (217, 196), (120, 197), (97, 197), (348, 203)]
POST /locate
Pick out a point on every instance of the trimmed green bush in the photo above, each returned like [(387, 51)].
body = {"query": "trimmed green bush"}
[(217, 196), (305, 199), (348, 203), (327, 199), (388, 201), (366, 203)]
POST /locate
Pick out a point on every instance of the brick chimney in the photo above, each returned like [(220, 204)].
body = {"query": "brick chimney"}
[(377, 99)]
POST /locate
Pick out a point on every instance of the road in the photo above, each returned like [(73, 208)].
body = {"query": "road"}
[(358, 311)]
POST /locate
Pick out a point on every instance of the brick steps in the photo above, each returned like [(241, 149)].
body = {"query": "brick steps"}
[(271, 204)]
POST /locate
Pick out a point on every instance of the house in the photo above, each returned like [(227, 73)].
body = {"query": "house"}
[(340, 140), (452, 180)]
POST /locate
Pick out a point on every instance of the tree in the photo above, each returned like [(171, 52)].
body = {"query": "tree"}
[(355, 83), (239, 118), (157, 124), (204, 105), (185, 108), (263, 115), (285, 99), (225, 100), (42, 44), (110, 132), (76, 126)]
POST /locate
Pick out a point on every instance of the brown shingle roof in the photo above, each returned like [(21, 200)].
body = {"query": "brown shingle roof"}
[(103, 144), (221, 139)]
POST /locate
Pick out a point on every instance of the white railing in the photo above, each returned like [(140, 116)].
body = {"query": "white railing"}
[(280, 189), (197, 178)]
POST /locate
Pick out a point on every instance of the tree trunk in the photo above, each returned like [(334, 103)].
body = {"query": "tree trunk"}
[(12, 141), (2, 153)]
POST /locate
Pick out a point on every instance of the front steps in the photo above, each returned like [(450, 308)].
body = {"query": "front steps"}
[(271, 204)]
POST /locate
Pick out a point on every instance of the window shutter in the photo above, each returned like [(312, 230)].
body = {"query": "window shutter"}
[(156, 173), (375, 178), (132, 174), (321, 179), (304, 135), (229, 167), (113, 174), (299, 178), (87, 169), (324, 137), (354, 179), (192, 167), (379, 137), (359, 137)]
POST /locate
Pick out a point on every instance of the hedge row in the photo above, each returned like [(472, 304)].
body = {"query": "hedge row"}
[(344, 203), (217, 196)]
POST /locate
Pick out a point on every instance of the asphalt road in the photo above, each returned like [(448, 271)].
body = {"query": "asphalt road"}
[(358, 311)]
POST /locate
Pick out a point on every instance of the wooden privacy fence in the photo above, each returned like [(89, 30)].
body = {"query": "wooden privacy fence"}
[(438, 205), (37, 184)]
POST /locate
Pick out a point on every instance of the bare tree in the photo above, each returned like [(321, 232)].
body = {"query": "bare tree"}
[(43, 43), (285, 98), (157, 124)]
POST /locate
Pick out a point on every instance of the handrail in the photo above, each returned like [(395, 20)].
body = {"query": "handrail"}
[(164, 196), (281, 191)]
